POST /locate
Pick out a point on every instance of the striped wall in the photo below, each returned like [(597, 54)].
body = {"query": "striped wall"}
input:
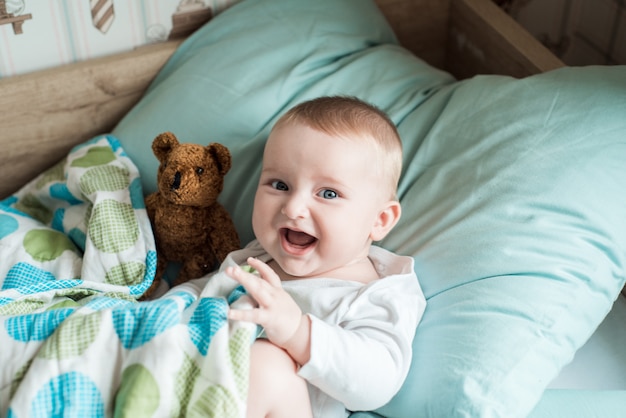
[(56, 32)]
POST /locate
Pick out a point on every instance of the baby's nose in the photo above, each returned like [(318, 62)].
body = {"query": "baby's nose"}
[(295, 207)]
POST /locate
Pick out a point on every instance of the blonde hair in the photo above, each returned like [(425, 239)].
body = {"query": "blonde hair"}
[(347, 117)]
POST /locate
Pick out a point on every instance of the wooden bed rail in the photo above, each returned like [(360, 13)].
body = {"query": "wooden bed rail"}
[(483, 39), (45, 113)]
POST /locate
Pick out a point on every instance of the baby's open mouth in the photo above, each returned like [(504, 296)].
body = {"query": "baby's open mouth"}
[(298, 238)]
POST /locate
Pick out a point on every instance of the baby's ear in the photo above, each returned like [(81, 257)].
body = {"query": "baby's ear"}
[(387, 218)]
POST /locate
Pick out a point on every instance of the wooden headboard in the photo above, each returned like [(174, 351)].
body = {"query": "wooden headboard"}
[(45, 113)]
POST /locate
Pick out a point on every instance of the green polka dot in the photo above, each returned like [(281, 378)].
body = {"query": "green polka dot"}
[(138, 395), (19, 376), (77, 294), (46, 244), (120, 296), (64, 304), (113, 226), (88, 210), (105, 178), (21, 307), (215, 402), (126, 274), (55, 173), (33, 207), (239, 348), (72, 337), (185, 381), (95, 156)]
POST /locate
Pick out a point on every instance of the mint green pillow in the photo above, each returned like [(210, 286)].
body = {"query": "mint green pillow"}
[(515, 211), (512, 191)]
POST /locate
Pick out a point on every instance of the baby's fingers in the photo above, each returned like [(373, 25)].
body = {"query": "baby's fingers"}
[(254, 285), (266, 272), (247, 315)]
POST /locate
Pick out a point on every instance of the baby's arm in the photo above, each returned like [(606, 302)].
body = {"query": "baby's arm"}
[(280, 316), (363, 361)]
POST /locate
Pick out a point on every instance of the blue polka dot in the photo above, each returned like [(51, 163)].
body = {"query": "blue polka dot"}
[(35, 327), (78, 237), (49, 285), (114, 143), (104, 302), (57, 219), (8, 201), (207, 319), (140, 324), (236, 294), (28, 279), (68, 395), (12, 210), (187, 298), (8, 225), (148, 277), (61, 192), (136, 194), (24, 275)]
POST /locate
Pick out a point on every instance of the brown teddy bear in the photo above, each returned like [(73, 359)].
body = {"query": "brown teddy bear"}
[(189, 224)]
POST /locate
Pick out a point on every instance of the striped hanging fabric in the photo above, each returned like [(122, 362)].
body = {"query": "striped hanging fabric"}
[(102, 14)]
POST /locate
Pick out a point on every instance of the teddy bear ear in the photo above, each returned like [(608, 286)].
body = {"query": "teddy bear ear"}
[(163, 144), (221, 155)]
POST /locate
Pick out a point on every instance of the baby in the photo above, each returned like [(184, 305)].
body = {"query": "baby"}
[(338, 313)]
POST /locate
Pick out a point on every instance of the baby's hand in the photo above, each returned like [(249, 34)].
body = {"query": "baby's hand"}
[(277, 313)]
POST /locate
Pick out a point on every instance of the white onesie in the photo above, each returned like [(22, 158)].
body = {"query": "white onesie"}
[(361, 334)]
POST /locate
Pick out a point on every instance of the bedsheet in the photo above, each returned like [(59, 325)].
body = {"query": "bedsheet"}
[(76, 251)]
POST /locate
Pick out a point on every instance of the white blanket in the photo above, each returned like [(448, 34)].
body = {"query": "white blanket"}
[(76, 251)]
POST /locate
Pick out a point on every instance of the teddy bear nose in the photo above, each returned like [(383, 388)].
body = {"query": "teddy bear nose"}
[(176, 183)]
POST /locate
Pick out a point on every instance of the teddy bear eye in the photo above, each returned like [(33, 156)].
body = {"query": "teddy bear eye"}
[(199, 170)]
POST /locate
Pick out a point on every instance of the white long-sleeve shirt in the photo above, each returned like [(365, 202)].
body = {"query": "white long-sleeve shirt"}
[(361, 334)]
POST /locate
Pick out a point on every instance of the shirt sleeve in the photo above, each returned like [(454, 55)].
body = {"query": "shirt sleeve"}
[(363, 361)]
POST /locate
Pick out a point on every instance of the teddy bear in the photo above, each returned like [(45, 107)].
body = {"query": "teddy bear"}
[(190, 226)]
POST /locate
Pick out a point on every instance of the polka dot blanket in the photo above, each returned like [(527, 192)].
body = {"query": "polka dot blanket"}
[(76, 251)]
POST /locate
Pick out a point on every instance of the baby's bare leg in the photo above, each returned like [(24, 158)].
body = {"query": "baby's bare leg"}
[(275, 390)]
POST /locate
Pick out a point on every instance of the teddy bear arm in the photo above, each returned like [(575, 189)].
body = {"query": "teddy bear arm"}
[(196, 266), (151, 204), (224, 238)]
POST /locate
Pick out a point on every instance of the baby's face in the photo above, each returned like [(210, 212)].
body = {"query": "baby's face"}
[(318, 201)]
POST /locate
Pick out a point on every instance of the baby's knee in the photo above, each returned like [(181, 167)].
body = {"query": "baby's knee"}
[(274, 382), (271, 360)]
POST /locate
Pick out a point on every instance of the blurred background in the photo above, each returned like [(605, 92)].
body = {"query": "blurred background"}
[(580, 32)]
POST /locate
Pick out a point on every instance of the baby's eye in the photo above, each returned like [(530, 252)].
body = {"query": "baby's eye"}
[(279, 185), (328, 194)]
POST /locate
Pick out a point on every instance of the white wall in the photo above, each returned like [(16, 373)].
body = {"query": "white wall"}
[(62, 31)]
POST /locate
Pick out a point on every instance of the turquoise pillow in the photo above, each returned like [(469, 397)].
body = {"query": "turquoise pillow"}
[(512, 189), (515, 211)]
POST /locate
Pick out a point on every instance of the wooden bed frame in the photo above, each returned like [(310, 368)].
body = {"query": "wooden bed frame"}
[(43, 114)]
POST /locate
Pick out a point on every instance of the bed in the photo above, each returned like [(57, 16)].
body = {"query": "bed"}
[(512, 193)]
